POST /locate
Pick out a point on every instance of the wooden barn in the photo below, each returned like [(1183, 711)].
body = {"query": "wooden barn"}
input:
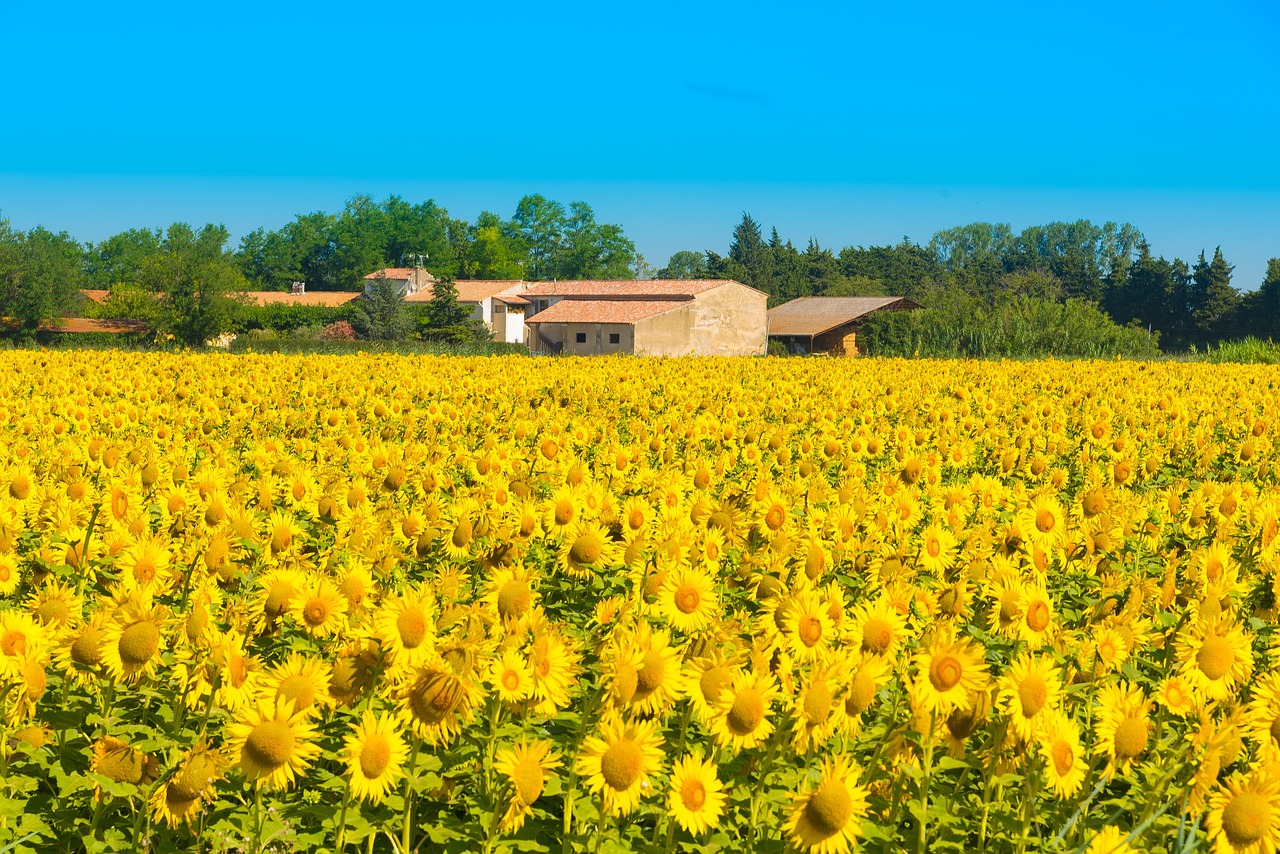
[(828, 324)]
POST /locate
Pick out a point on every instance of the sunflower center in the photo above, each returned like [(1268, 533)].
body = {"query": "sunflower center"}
[(621, 765), (1246, 819), (514, 599), (1215, 657), (1038, 616), (375, 755), (862, 691), (713, 681), (315, 612), (189, 783), (1064, 758), (934, 547), (86, 650), (586, 549), (693, 794), (687, 599), (527, 776), (1045, 520), (877, 636), (462, 534), (510, 680), (412, 626), (124, 765), (945, 672), (270, 744), (746, 713), (635, 519), (720, 519), (654, 670), (565, 511), (830, 808), (1034, 693), (139, 642), (53, 611), (13, 643), (810, 630), (298, 688), (817, 702), (278, 598), (775, 518), (281, 537), (1275, 729), (1131, 738), (434, 697)]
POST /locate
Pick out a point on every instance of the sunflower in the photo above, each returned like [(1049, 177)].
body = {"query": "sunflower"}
[(510, 677), (807, 627), (406, 630), (554, 664), (1214, 657), (1045, 521), (742, 717), (1244, 815), (937, 550), (1035, 623), (283, 537), (375, 754), (1122, 727), (301, 680), (56, 605), (618, 762), (1109, 840), (827, 815), (658, 683), (878, 628), (525, 766), (21, 638), (1030, 690), (1263, 714), (436, 701), (511, 594), (814, 716), (696, 798), (947, 674), (276, 591), (179, 798), (116, 760), (321, 610), (706, 678), (132, 642), (869, 674), (1177, 698), (79, 650), (586, 548), (271, 744), (1065, 764), (688, 600), (144, 566), (10, 577)]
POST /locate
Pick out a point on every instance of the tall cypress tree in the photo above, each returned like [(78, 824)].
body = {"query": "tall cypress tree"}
[(1213, 299)]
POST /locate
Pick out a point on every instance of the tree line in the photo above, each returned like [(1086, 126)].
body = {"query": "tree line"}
[(978, 268)]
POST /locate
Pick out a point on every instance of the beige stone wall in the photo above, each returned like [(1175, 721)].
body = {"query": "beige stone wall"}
[(730, 320), (666, 334), (596, 338), (838, 342)]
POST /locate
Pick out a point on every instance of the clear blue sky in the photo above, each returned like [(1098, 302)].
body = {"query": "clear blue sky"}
[(850, 123)]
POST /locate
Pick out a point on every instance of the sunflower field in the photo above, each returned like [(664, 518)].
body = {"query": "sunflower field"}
[(377, 603)]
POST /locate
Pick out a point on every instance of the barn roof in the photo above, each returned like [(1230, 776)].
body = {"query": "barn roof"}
[(469, 290), (815, 315), (652, 289), (605, 310)]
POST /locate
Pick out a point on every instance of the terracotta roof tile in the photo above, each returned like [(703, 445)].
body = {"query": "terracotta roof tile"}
[(88, 324), (394, 273), (815, 315), (656, 288), (324, 298), (605, 311), (97, 296), (469, 290)]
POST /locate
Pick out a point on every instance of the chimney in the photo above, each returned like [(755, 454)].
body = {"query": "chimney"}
[(298, 288)]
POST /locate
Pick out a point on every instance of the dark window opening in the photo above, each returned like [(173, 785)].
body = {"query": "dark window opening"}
[(615, 338), (580, 337)]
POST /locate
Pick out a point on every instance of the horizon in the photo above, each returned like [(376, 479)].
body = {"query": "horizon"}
[(859, 131)]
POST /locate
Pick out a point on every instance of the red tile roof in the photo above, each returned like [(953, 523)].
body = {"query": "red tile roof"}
[(97, 296), (394, 273), (324, 298), (469, 290), (651, 289), (626, 311), (87, 324)]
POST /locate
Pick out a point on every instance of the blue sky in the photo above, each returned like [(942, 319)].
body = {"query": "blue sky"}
[(852, 123)]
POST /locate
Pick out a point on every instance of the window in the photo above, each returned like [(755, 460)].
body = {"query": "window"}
[(615, 338), (580, 337)]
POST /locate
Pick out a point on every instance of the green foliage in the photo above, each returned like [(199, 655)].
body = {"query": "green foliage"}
[(1213, 299), (406, 347), (380, 315), (195, 278), (684, 265), (1022, 327), (284, 317), (1246, 351), (40, 274)]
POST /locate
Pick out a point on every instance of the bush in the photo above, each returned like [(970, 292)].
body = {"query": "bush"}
[(1246, 351), (340, 331)]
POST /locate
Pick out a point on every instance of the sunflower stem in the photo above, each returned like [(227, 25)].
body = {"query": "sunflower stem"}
[(758, 792), (341, 844), (1031, 791), (257, 818), (406, 828), (571, 786), (922, 840), (84, 548)]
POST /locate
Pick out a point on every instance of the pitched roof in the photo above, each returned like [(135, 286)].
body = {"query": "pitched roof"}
[(393, 273), (469, 290), (88, 324), (324, 298), (639, 289), (605, 310), (815, 315), (97, 296)]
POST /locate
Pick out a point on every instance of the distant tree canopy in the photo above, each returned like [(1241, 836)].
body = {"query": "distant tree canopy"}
[(40, 276)]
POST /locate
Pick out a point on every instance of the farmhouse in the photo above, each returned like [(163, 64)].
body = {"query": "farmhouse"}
[(647, 318), (498, 304), (408, 280), (828, 324)]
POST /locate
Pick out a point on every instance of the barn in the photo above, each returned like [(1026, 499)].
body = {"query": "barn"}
[(828, 324)]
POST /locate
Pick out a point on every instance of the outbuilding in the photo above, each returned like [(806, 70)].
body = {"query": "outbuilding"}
[(828, 324)]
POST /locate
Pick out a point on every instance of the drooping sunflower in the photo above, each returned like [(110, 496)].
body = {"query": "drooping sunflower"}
[(437, 701), (525, 766), (115, 759), (1030, 690), (948, 672), (696, 798), (742, 719), (814, 713), (826, 817), (869, 674), (619, 761), (688, 600), (132, 642), (179, 798), (706, 678), (272, 744), (1244, 815), (276, 591), (375, 754)]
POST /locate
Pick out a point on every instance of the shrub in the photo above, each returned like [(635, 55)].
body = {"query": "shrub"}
[(340, 331)]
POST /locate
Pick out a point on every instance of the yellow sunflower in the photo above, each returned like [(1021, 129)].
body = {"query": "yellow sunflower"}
[(1030, 690), (948, 672), (179, 798), (619, 761), (406, 629), (696, 798), (272, 744), (1244, 815), (878, 628), (525, 766), (375, 754), (807, 627), (301, 680), (1122, 725), (688, 600), (132, 642), (510, 677), (320, 609), (827, 815), (742, 719), (1214, 658), (1065, 762)]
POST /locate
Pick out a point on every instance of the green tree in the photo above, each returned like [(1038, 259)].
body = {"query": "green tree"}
[(1213, 299), (445, 319), (122, 257), (592, 250), (1259, 312), (40, 275), (196, 278), (491, 252), (685, 264), (540, 223), (380, 313)]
